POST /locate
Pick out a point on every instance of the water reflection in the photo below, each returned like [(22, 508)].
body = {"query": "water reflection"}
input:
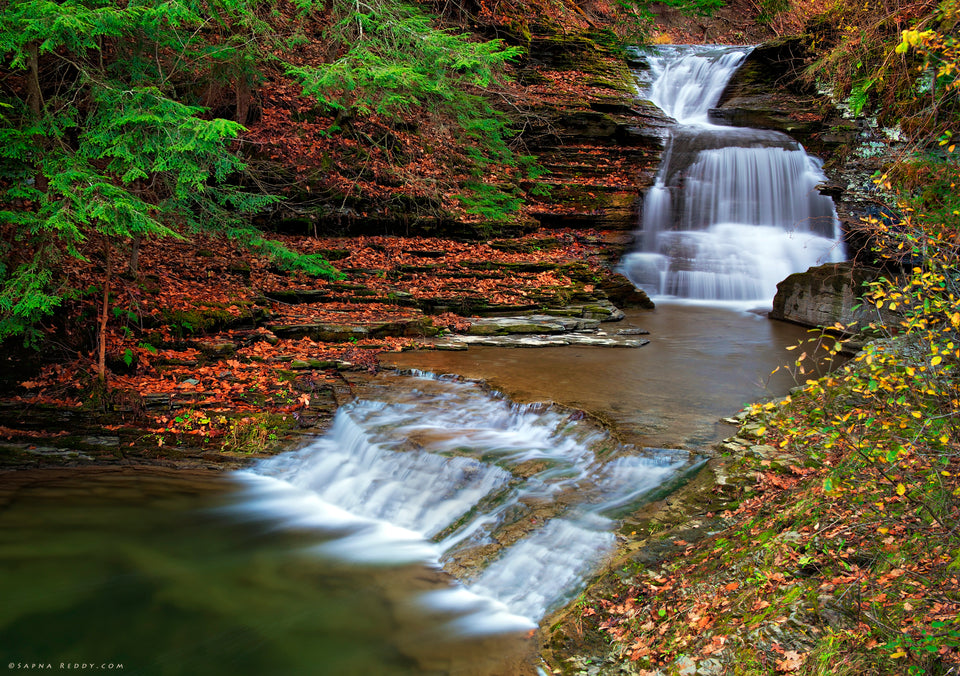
[(702, 363), (145, 569)]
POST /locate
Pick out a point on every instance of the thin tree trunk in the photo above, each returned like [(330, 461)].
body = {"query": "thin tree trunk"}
[(105, 315), (35, 99), (243, 100), (135, 255)]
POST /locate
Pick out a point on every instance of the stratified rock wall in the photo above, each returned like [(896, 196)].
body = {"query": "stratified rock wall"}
[(766, 92)]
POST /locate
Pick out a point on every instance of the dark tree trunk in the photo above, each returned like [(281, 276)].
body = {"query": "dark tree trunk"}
[(35, 99), (105, 314), (135, 255)]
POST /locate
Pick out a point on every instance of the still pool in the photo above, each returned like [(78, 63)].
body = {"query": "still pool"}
[(156, 572)]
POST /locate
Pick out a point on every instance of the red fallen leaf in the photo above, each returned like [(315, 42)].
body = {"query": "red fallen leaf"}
[(731, 586), (792, 661)]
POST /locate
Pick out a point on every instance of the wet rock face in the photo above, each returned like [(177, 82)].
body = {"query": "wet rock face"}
[(766, 93), (825, 295), (572, 325), (621, 292)]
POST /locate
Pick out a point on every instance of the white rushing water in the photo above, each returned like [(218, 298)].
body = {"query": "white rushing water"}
[(733, 211), (441, 471), (689, 80)]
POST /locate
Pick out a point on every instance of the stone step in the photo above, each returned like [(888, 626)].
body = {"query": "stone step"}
[(530, 324), (308, 296), (328, 332), (584, 339)]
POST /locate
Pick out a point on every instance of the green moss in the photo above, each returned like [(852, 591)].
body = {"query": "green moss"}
[(193, 322)]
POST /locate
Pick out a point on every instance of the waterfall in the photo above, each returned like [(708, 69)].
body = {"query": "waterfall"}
[(518, 500), (732, 211)]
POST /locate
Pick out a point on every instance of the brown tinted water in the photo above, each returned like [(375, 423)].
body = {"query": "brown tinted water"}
[(167, 572), (702, 363), (154, 571)]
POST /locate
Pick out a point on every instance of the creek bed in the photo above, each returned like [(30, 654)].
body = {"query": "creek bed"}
[(170, 572)]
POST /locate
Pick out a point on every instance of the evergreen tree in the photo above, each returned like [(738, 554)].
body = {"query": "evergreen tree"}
[(102, 146)]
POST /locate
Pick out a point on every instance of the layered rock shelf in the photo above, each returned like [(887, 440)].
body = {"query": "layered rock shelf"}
[(543, 330)]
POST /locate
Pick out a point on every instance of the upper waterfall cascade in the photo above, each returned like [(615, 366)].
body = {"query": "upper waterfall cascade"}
[(733, 211)]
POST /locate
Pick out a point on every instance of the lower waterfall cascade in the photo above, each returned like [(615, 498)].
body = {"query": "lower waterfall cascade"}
[(733, 211), (442, 472)]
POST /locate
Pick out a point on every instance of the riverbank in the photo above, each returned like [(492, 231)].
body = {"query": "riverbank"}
[(758, 567), (252, 361)]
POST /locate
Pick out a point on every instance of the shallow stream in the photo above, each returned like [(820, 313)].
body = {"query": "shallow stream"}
[(340, 559), (702, 363)]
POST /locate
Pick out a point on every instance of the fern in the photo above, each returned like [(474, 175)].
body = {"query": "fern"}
[(859, 95), (491, 202)]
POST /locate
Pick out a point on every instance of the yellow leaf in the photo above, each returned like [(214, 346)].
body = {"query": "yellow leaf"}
[(916, 414), (883, 531), (936, 360), (901, 489)]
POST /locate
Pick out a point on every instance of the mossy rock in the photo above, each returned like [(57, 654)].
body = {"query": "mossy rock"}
[(199, 320), (241, 269), (525, 245), (217, 349), (516, 267), (334, 254), (404, 328), (321, 332), (586, 124), (622, 293), (150, 284)]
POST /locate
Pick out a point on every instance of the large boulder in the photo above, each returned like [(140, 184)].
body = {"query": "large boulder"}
[(826, 295)]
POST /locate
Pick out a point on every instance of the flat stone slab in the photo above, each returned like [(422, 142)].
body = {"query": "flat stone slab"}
[(532, 324), (542, 341), (47, 451), (449, 346)]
